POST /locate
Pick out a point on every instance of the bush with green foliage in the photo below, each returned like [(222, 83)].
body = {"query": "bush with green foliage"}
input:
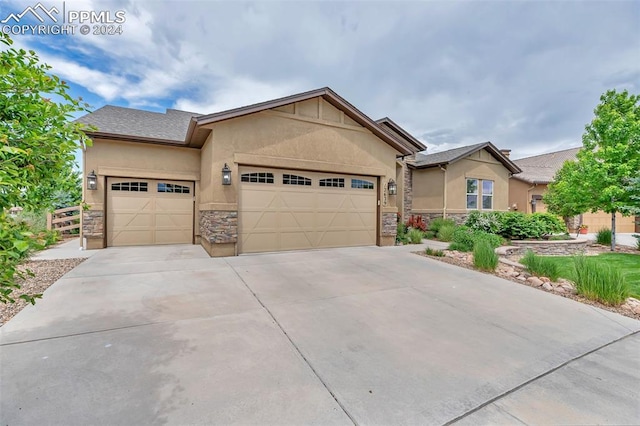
[(401, 233), (484, 256), (540, 266), (600, 282), (464, 239), (436, 224), (516, 225), (445, 233), (17, 241), (415, 236), (433, 252), (430, 235), (604, 237)]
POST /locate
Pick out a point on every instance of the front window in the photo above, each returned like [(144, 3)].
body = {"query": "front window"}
[(487, 194), (472, 194)]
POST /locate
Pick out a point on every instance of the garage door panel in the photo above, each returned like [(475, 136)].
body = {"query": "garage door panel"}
[(149, 217), (279, 216), (599, 220)]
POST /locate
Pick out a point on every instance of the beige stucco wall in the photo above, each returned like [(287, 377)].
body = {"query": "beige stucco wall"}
[(428, 184), (428, 190), (520, 194), (109, 158), (310, 135)]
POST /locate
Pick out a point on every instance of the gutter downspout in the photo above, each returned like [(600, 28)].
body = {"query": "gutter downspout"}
[(529, 198), (444, 198)]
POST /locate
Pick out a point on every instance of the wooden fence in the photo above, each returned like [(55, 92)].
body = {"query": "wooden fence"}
[(64, 220)]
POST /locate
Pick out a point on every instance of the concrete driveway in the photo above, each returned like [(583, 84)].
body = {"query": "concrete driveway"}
[(167, 335)]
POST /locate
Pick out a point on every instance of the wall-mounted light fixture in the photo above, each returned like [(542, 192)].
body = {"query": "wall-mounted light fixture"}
[(392, 187), (226, 175), (92, 181)]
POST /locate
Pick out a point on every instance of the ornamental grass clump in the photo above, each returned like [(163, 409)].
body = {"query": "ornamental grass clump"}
[(415, 236), (446, 232), (604, 237), (540, 266), (484, 256), (600, 282)]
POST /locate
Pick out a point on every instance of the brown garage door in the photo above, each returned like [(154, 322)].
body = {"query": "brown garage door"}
[(598, 220), (147, 211), (292, 210)]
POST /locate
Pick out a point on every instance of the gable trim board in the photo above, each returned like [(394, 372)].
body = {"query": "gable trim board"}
[(338, 141)]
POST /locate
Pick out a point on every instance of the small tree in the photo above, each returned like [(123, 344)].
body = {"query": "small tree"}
[(37, 143), (608, 162)]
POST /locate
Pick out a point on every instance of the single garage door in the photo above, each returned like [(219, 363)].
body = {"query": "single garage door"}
[(147, 211), (292, 210), (598, 220)]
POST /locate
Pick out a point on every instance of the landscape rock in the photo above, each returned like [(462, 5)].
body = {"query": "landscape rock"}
[(547, 286), (545, 279), (535, 281)]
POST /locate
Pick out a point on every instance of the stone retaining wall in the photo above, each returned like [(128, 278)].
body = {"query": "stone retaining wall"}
[(553, 248)]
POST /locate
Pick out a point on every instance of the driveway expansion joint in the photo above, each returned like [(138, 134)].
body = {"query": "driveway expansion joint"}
[(296, 348), (539, 376)]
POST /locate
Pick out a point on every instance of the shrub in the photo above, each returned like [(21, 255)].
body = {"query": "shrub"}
[(484, 221), (431, 252), (464, 239), (430, 235), (446, 232), (484, 256), (436, 224), (600, 282), (604, 236), (415, 221), (540, 266), (401, 233), (637, 237), (415, 236)]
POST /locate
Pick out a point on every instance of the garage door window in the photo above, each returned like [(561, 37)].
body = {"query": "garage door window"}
[(361, 184), (130, 186), (295, 180), (257, 177), (170, 187), (332, 182)]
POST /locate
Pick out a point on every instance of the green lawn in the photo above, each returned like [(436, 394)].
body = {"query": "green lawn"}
[(629, 264)]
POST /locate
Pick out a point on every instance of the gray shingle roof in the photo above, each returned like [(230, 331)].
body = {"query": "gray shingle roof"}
[(170, 126), (453, 155), (445, 157), (542, 168)]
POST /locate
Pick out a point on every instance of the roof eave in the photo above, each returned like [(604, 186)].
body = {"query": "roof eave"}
[(408, 136), (130, 138)]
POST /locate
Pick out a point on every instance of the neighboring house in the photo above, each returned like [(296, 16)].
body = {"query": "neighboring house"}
[(527, 189), (305, 171), (452, 183)]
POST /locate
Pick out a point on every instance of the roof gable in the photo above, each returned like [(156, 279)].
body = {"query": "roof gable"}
[(196, 134), (451, 156)]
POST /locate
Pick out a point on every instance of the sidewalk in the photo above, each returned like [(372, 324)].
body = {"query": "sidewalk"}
[(621, 239), (67, 250)]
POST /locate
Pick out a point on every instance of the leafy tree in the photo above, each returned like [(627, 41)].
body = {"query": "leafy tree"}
[(37, 142), (607, 164)]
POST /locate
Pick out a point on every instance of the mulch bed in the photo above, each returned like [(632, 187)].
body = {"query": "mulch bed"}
[(46, 272)]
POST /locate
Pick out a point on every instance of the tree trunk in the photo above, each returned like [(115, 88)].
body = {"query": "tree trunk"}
[(613, 231)]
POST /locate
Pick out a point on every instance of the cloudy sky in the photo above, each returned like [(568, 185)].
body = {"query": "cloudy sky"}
[(524, 75)]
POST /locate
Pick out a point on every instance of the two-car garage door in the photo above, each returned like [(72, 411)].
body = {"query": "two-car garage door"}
[(292, 210), (148, 211)]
